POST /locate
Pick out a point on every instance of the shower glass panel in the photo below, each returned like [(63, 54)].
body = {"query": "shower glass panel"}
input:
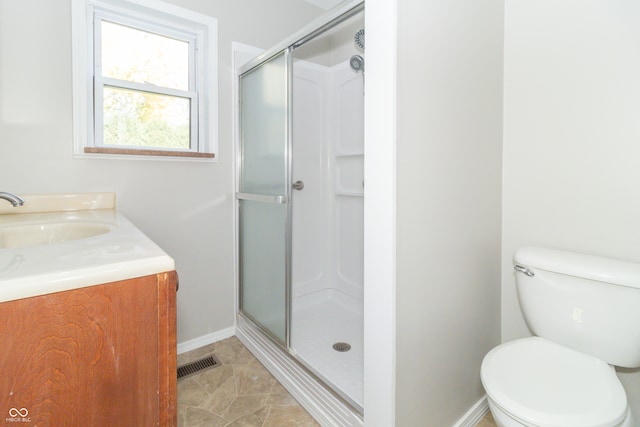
[(263, 265), (264, 128), (263, 196)]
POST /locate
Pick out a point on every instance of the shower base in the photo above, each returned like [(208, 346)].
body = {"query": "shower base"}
[(319, 321)]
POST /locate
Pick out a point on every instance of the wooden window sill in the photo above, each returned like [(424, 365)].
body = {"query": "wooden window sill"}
[(162, 153)]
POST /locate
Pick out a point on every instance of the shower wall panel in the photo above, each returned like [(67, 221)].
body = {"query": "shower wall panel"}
[(347, 122), (328, 154), (311, 214)]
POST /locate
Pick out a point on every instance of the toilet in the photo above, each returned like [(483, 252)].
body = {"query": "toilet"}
[(585, 313)]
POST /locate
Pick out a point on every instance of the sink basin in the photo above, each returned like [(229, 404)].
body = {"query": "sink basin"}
[(21, 236)]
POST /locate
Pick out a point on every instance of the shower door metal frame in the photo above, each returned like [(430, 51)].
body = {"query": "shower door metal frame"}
[(315, 28), (287, 47)]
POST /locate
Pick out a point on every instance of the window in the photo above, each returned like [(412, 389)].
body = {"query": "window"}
[(145, 78)]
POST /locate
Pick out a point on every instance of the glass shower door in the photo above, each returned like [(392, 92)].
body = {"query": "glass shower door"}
[(264, 196)]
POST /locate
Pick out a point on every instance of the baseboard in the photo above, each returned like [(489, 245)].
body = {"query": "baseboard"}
[(473, 416), (185, 346)]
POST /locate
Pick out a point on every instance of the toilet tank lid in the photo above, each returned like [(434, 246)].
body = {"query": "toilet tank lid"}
[(623, 273)]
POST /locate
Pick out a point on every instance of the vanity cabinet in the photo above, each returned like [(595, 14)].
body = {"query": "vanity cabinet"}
[(103, 355)]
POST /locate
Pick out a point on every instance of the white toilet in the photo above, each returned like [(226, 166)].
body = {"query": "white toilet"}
[(585, 311)]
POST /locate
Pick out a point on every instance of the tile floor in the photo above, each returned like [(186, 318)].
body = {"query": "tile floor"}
[(487, 421), (240, 393)]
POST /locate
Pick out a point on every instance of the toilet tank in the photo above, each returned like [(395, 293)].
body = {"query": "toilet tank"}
[(588, 303)]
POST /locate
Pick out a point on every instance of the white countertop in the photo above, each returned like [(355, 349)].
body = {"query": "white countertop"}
[(122, 253)]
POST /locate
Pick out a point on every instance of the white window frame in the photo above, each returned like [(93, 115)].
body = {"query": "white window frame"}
[(157, 17), (196, 127)]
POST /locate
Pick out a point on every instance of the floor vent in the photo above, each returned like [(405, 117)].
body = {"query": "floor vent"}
[(342, 347), (197, 366)]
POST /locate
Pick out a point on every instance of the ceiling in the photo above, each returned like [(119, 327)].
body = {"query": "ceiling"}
[(324, 4)]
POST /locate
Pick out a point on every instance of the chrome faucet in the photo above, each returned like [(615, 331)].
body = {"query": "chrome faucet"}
[(12, 198)]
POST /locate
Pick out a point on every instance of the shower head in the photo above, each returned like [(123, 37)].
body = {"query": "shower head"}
[(357, 63), (359, 39)]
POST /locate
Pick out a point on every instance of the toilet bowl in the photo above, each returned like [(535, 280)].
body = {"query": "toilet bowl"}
[(535, 382), (585, 313)]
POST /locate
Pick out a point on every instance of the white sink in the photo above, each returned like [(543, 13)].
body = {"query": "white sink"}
[(58, 242), (21, 236)]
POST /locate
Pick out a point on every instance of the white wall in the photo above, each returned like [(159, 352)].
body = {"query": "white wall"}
[(571, 137), (449, 135), (380, 142), (185, 207)]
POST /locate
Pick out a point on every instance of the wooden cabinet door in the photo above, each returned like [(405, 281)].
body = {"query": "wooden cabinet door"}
[(90, 356)]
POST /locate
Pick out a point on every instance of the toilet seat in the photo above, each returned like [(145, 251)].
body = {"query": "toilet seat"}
[(546, 384)]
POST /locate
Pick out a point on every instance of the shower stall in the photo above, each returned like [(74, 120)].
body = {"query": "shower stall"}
[(300, 201)]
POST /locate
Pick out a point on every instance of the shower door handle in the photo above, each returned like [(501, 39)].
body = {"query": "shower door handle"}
[(298, 185)]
